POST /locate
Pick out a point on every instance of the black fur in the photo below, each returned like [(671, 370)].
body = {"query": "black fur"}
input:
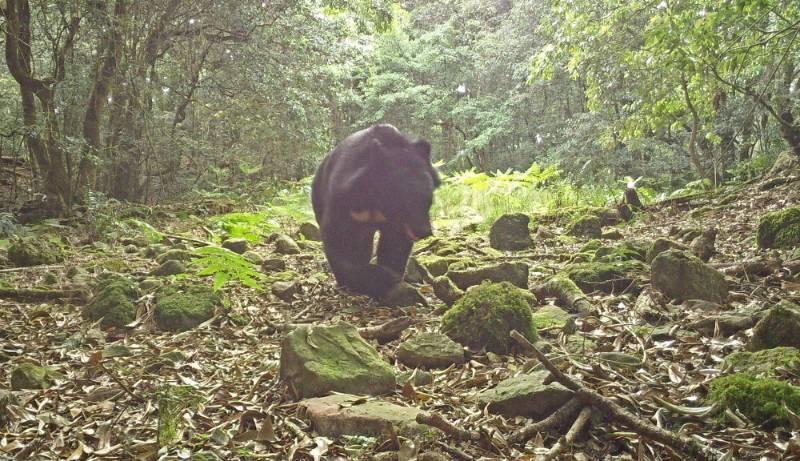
[(373, 174)]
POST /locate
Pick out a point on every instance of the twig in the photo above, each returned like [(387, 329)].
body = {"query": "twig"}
[(557, 419), (437, 421), (119, 381), (455, 452), (31, 268), (615, 412), (564, 442)]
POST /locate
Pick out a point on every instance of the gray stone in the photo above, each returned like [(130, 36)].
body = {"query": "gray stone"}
[(237, 245), (285, 245), (416, 272), (526, 395), (681, 276), (585, 226), (310, 231), (779, 327), (510, 233), (320, 359), (661, 245), (421, 377), (169, 267), (430, 350), (515, 273), (342, 414), (273, 265), (402, 295), (253, 257), (446, 290), (285, 290)]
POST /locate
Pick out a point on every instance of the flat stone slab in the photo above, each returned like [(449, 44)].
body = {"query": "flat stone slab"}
[(430, 350), (525, 395), (345, 414)]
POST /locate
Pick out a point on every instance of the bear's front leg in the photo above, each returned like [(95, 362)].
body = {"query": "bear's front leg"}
[(394, 248), (349, 260)]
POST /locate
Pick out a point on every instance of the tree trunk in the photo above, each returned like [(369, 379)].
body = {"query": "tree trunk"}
[(694, 156)]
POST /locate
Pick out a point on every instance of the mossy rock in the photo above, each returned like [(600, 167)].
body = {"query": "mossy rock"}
[(625, 251), (591, 246), (34, 252), (661, 245), (169, 267), (486, 314), (510, 232), (183, 307), (607, 277), (516, 273), (585, 226), (113, 302), (174, 255), (317, 360), (764, 401), (549, 317), (779, 327), (679, 275), (779, 229), (30, 376), (765, 363), (436, 265)]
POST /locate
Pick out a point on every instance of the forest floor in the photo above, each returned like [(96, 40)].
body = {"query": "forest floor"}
[(104, 399)]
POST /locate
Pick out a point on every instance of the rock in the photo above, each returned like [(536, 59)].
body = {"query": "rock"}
[(237, 245), (612, 234), (661, 245), (30, 376), (542, 233), (182, 307), (779, 229), (150, 284), (729, 323), (525, 395), (486, 314), (779, 327), (342, 414), (113, 302), (764, 363), (310, 231), (131, 249), (30, 251), (285, 290), (649, 306), (430, 350), (681, 276), (416, 272), (402, 295), (551, 317), (253, 257), (510, 233), (786, 164), (285, 245), (446, 290), (6, 399), (607, 277), (151, 251), (273, 265), (436, 265), (421, 377), (703, 246), (174, 255), (317, 360), (169, 267), (619, 360), (515, 273), (585, 226)]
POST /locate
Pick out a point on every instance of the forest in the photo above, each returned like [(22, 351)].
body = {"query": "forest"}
[(399, 230)]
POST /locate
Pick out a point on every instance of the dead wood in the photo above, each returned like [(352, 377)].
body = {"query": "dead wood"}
[(388, 331)]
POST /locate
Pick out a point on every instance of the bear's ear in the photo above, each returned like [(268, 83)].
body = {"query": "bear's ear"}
[(423, 149)]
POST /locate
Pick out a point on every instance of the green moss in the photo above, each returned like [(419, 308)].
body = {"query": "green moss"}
[(174, 255), (183, 307), (591, 246), (113, 303), (34, 251), (30, 376), (779, 229), (548, 317), (625, 251), (604, 276), (487, 314), (765, 362), (762, 400), (436, 265), (585, 226)]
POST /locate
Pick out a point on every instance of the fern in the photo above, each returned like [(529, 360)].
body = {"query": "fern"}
[(227, 266)]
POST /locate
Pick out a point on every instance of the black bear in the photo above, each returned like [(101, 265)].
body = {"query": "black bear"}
[(375, 180)]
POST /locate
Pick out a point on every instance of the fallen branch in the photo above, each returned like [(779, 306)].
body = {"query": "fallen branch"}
[(572, 434), (188, 239), (388, 331), (456, 433), (558, 418), (615, 412), (44, 294)]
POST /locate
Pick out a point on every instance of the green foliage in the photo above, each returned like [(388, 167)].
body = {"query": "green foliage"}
[(227, 266), (693, 187), (251, 226), (763, 400), (172, 401)]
